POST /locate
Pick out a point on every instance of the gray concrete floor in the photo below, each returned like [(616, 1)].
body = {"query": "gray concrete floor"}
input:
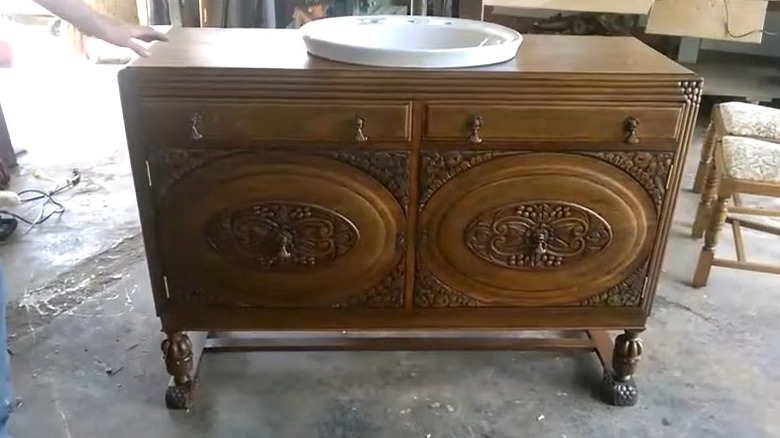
[(81, 305)]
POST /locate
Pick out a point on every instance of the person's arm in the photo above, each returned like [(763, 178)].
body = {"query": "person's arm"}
[(93, 23)]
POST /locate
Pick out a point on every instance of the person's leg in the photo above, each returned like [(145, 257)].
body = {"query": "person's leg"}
[(6, 399)]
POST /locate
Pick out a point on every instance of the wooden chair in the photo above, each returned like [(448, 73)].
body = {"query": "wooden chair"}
[(736, 118), (741, 165)]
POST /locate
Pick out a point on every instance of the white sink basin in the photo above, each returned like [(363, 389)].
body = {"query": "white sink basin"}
[(410, 41)]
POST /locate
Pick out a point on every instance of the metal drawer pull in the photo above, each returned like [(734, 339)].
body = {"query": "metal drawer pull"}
[(476, 125), (630, 126), (359, 136), (195, 134)]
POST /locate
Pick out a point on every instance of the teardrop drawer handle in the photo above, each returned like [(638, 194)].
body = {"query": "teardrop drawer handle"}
[(630, 126), (359, 124), (195, 120), (540, 239), (285, 242), (475, 126)]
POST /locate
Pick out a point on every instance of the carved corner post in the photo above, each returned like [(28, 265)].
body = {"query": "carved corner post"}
[(619, 387), (178, 356)]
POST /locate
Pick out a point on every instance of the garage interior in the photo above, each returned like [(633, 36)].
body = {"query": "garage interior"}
[(83, 334)]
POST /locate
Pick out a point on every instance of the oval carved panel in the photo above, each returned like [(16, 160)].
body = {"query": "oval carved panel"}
[(283, 230), (281, 235), (532, 229), (537, 234)]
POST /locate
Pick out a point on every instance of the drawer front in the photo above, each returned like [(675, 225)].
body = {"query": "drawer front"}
[(533, 229), (489, 123), (197, 122), (282, 230)]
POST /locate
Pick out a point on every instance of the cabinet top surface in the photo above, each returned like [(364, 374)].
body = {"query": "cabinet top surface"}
[(283, 49)]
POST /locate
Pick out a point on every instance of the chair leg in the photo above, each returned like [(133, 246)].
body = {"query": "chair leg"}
[(707, 149), (711, 237), (703, 212)]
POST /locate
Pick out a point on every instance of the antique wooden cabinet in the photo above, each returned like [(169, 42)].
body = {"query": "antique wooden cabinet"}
[(278, 192)]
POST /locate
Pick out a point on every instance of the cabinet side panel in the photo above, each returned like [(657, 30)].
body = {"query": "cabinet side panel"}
[(128, 93), (692, 91)]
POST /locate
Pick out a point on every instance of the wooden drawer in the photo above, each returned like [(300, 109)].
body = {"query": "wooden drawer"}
[(194, 122), (457, 122)]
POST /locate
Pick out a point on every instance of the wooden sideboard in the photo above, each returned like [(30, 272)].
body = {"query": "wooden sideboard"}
[(282, 192)]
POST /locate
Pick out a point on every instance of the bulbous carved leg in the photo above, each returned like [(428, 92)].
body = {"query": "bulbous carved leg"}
[(707, 149), (708, 197), (177, 352), (619, 387)]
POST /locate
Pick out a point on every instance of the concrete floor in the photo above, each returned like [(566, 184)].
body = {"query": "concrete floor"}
[(85, 340)]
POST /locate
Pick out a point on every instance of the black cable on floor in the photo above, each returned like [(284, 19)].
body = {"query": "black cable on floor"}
[(37, 195), (42, 195)]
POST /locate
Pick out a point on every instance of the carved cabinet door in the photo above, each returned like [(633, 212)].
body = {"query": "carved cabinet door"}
[(533, 229), (273, 229)]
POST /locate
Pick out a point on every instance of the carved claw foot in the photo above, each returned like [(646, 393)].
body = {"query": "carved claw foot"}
[(178, 397), (178, 356), (618, 386), (619, 393)]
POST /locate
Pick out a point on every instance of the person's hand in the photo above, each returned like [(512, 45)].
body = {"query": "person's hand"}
[(123, 34)]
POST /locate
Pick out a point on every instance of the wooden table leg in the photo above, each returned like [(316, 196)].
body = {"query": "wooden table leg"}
[(182, 353), (618, 385)]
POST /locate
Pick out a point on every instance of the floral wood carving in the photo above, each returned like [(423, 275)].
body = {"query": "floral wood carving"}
[(168, 165), (430, 292), (389, 293), (391, 168), (650, 169), (537, 235), (627, 293), (281, 236), (439, 167)]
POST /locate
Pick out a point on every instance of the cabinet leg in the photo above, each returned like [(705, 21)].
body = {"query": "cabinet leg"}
[(178, 356), (618, 385)]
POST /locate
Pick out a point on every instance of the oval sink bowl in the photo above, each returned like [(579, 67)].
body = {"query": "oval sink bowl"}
[(410, 41)]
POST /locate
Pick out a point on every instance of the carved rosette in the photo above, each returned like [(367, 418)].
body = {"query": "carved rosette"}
[(279, 236), (650, 169), (391, 168), (537, 235)]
